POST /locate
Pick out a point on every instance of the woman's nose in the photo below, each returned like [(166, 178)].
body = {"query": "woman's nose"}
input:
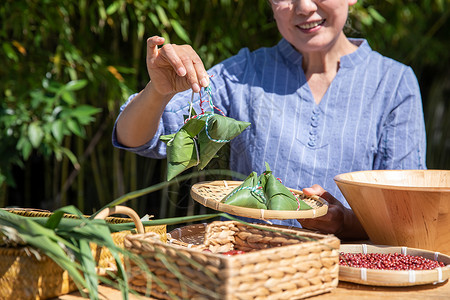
[(304, 7)]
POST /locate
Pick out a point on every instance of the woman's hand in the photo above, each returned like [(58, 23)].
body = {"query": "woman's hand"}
[(174, 68), (339, 220)]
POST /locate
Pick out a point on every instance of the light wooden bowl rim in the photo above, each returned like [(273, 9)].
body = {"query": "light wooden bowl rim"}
[(393, 278), (262, 214), (341, 179)]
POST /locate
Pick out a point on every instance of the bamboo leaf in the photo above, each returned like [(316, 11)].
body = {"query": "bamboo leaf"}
[(75, 127), (179, 30), (162, 15), (54, 220), (111, 9), (73, 159), (75, 85), (68, 97), (376, 15), (88, 263), (10, 53), (57, 130), (159, 186), (84, 112), (35, 133)]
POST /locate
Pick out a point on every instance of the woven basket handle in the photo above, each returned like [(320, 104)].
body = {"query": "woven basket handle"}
[(125, 211)]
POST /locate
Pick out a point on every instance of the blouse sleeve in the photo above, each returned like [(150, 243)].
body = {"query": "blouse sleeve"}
[(403, 138)]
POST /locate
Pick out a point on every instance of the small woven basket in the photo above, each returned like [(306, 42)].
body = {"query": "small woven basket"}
[(25, 273), (280, 264), (211, 194)]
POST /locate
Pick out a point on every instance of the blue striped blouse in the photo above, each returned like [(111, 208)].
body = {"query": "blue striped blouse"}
[(371, 116)]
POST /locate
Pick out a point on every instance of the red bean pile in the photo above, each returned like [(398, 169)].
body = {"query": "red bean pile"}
[(388, 261)]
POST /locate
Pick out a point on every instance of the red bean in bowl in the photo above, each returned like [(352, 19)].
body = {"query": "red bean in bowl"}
[(388, 261)]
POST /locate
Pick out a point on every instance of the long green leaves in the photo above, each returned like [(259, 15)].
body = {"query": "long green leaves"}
[(69, 246), (158, 186), (68, 242)]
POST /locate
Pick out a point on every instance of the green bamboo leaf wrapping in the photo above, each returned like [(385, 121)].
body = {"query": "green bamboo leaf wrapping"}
[(278, 196), (181, 148), (219, 128), (245, 195), (184, 152)]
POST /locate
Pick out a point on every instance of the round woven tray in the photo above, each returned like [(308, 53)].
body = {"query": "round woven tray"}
[(393, 278), (211, 193)]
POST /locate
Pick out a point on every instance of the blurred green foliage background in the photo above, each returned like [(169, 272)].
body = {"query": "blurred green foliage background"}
[(67, 66)]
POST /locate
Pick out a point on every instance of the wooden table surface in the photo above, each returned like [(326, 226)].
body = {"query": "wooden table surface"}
[(344, 291)]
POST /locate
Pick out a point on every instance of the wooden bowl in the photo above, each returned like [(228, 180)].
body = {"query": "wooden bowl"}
[(401, 207)]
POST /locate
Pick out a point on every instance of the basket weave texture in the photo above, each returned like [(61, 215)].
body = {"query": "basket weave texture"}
[(211, 194), (280, 264), (25, 276)]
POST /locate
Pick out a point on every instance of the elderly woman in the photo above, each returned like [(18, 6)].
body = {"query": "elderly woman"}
[(319, 104)]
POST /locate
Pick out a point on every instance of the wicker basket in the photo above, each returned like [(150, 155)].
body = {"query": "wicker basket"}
[(211, 193), (27, 274), (281, 264), (188, 236)]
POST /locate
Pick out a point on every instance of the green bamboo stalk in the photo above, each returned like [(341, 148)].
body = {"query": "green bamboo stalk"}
[(64, 173), (97, 178), (48, 175), (55, 182), (80, 177), (149, 168), (3, 195), (105, 178), (133, 179), (27, 184), (117, 174)]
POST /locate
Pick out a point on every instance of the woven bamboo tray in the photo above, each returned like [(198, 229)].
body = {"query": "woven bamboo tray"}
[(281, 264), (394, 278), (23, 275), (211, 193)]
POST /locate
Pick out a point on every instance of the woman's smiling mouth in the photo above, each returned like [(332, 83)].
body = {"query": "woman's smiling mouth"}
[(311, 25)]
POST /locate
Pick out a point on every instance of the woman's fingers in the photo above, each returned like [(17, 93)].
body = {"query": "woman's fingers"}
[(174, 58), (319, 191), (152, 46), (179, 65), (201, 72)]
